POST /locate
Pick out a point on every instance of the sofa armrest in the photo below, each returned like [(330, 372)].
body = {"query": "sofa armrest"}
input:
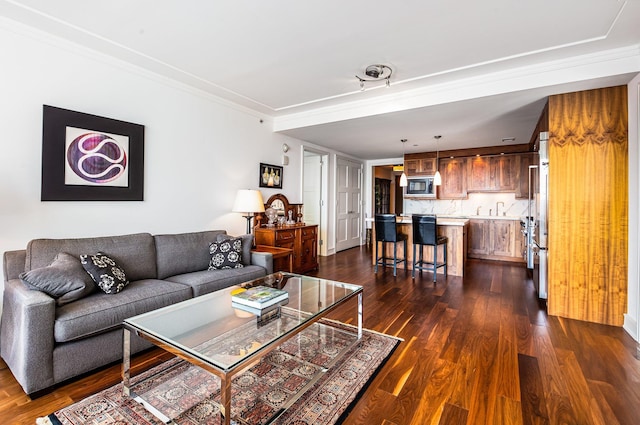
[(263, 259), (26, 335), (13, 263)]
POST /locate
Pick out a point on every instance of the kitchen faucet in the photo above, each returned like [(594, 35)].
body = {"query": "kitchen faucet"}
[(497, 209), (478, 210)]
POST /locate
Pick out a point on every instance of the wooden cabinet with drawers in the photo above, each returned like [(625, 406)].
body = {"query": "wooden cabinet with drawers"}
[(302, 239)]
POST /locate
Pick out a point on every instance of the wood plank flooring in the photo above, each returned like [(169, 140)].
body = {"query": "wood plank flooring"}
[(476, 350)]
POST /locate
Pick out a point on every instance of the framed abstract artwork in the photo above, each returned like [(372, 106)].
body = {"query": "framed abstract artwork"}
[(90, 158), (270, 176)]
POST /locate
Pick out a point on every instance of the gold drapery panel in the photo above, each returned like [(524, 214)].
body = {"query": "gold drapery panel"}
[(588, 199)]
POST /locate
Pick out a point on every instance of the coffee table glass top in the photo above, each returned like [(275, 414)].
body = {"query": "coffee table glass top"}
[(210, 329)]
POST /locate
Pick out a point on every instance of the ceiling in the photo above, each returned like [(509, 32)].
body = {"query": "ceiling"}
[(473, 72)]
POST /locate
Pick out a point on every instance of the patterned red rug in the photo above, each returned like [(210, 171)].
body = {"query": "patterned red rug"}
[(190, 395)]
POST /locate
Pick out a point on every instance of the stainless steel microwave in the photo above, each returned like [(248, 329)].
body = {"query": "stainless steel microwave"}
[(420, 186)]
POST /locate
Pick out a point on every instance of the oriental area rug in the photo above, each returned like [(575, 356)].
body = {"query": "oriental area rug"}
[(190, 395)]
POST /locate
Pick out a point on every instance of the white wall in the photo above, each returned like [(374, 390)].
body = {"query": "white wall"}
[(632, 318), (198, 149)]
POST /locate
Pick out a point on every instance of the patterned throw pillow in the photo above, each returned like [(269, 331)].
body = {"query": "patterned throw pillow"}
[(226, 254), (105, 272)]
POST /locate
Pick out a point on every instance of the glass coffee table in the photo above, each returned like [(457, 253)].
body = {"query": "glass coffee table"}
[(210, 332)]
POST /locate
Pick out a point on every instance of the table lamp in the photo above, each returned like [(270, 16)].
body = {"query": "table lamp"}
[(248, 201)]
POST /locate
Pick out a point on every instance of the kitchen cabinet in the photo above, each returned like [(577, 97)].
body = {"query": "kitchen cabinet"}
[(495, 239), (478, 174), (454, 180), (522, 188), (302, 239), (479, 238), (420, 167), (492, 174)]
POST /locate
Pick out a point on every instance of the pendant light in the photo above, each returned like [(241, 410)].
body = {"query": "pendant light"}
[(437, 179), (403, 177)]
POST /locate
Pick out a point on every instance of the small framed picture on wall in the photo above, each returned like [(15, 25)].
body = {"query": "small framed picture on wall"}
[(270, 176)]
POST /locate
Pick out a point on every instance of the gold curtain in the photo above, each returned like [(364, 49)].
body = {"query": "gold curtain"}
[(588, 199)]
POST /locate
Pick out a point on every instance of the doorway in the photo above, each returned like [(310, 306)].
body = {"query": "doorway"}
[(349, 204), (314, 193), (388, 196)]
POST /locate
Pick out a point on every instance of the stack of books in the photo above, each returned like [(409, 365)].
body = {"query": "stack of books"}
[(259, 299)]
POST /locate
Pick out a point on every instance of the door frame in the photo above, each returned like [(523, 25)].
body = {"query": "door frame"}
[(323, 225)]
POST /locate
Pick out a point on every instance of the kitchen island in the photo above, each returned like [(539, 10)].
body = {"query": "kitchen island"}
[(455, 229)]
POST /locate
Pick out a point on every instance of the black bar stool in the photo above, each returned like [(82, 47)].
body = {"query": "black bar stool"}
[(387, 231), (425, 232)]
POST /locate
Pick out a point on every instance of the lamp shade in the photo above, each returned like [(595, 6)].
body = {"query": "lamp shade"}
[(403, 180), (248, 201), (437, 179)]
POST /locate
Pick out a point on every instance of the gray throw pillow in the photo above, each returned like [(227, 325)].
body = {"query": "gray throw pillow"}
[(64, 279), (226, 254), (105, 272)]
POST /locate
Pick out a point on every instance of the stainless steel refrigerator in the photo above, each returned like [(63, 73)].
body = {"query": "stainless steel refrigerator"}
[(537, 222)]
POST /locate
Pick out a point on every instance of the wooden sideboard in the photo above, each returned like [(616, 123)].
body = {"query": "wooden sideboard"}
[(301, 238)]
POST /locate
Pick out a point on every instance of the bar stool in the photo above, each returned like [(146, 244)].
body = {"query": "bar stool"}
[(425, 232), (387, 231)]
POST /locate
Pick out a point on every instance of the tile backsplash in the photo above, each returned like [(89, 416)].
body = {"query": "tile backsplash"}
[(483, 204)]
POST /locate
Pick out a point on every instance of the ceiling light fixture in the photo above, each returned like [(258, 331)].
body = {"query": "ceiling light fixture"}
[(403, 177), (437, 179), (375, 73)]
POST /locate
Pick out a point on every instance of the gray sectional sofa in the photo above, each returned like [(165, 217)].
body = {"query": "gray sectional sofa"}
[(45, 343)]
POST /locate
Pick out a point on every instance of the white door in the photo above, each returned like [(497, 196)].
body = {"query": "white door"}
[(349, 204), (313, 195)]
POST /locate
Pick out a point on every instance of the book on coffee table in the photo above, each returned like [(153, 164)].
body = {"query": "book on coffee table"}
[(259, 311), (259, 297)]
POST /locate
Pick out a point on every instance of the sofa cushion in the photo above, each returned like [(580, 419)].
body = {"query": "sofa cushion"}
[(206, 281), (247, 243), (134, 253), (105, 272), (184, 252), (100, 312), (226, 254), (64, 279)]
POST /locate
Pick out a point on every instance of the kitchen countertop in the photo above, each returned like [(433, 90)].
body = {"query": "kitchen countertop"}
[(456, 220), (442, 220), (482, 217)]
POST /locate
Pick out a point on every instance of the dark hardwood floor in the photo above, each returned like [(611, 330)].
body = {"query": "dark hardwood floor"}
[(478, 350)]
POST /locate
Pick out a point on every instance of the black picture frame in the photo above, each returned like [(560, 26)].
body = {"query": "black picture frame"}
[(58, 127), (270, 176)]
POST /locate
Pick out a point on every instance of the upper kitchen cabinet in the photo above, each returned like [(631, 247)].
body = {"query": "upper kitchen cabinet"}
[(505, 172), (522, 188), (454, 179), (414, 166), (479, 174), (492, 173)]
